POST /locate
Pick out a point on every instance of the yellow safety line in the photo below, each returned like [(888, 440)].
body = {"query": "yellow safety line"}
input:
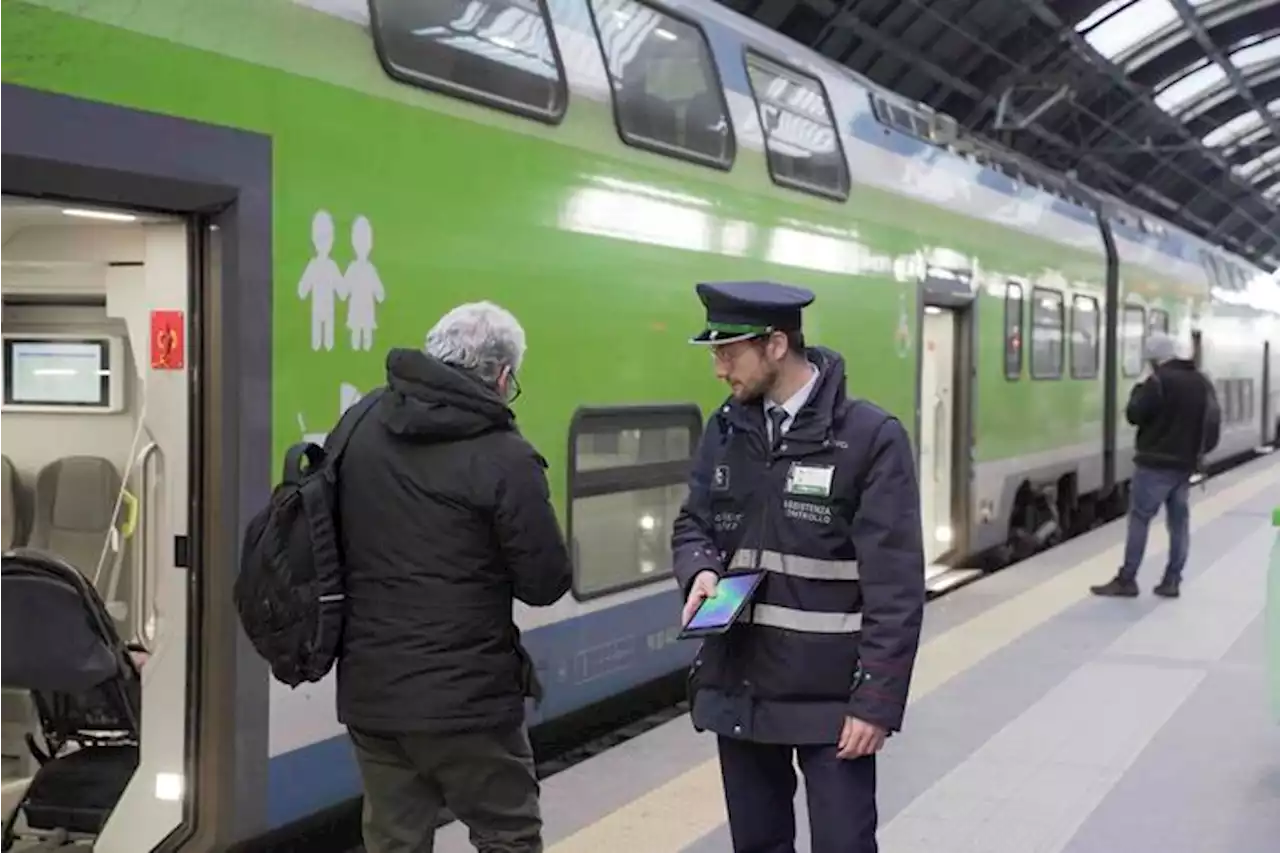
[(675, 815)]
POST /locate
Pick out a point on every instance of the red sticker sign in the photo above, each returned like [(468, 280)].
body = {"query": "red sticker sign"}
[(168, 340)]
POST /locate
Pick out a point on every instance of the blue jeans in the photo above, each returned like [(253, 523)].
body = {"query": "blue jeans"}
[(1149, 490)]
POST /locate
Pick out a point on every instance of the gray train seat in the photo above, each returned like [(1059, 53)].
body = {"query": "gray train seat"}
[(12, 504), (75, 499), (17, 715)]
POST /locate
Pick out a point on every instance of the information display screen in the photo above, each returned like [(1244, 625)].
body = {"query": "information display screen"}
[(56, 373)]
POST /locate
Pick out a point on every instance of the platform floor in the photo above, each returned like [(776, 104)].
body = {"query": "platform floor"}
[(1042, 719)]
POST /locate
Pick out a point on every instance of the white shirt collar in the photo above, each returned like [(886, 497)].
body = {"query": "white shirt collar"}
[(797, 400)]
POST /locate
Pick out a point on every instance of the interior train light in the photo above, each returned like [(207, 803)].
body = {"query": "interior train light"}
[(168, 786), (99, 214)]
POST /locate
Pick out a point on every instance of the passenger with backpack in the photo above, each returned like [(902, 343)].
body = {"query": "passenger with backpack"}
[(399, 549), (1179, 421)]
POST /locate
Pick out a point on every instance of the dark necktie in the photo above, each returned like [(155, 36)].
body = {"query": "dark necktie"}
[(777, 416)]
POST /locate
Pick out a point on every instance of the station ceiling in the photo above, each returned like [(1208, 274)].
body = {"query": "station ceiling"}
[(1171, 105)]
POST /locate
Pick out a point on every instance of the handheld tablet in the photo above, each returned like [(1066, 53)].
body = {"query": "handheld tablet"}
[(717, 614)]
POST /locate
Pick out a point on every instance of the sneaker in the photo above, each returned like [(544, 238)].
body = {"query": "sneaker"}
[(1116, 588), (1167, 589)]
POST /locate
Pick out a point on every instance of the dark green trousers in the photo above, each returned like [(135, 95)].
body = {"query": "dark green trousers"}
[(486, 779)]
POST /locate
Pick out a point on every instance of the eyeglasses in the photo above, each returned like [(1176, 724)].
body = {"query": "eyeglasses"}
[(513, 388)]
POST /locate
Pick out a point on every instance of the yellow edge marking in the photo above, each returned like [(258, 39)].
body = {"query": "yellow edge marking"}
[(678, 813)]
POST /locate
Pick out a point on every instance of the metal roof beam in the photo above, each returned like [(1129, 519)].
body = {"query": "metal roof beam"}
[(1046, 13), (1196, 27)]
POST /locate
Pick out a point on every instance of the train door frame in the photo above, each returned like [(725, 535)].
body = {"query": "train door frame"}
[(956, 293), (220, 179), (1269, 432)]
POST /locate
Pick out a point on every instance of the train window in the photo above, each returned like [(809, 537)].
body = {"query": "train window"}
[(1246, 399), (1211, 269), (802, 145), (501, 53), (1159, 320), (1046, 333), (1084, 337), (627, 480), (1012, 331), (667, 93), (1133, 334)]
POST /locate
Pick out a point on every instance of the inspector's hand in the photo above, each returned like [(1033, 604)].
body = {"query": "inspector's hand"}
[(703, 587), (859, 738)]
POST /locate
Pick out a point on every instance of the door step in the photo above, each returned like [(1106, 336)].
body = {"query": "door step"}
[(939, 580)]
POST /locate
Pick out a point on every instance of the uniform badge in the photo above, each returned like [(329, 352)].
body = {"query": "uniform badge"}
[(721, 481), (810, 480)]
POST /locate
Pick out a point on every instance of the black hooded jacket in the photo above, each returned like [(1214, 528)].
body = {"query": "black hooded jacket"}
[(1177, 416), (446, 518)]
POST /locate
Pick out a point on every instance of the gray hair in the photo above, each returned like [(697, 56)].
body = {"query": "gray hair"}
[(1161, 347), (479, 337)]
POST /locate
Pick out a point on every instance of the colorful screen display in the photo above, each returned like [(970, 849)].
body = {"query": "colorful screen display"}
[(719, 610)]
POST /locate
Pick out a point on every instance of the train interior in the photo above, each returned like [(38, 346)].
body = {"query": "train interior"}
[(96, 463)]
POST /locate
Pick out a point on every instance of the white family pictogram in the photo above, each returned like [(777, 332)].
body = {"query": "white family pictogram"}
[(325, 284)]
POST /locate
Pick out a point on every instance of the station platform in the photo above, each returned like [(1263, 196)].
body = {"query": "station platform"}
[(1042, 719)]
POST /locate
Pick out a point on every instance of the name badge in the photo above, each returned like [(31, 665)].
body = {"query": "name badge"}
[(813, 480)]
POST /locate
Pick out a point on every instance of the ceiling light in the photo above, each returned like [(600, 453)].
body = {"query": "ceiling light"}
[(99, 214)]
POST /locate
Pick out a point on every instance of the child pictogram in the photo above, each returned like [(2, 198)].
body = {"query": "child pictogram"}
[(322, 281), (362, 287)]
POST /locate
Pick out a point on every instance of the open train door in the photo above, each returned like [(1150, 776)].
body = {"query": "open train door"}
[(1270, 428), (944, 416)]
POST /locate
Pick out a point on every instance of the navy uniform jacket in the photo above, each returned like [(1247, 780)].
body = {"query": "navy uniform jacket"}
[(834, 628)]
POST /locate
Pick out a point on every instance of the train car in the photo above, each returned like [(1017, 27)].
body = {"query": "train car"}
[(226, 213)]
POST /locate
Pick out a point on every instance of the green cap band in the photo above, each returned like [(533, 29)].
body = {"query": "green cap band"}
[(739, 328)]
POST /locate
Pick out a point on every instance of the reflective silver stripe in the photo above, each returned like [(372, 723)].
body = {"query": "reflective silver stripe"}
[(801, 567), (806, 621)]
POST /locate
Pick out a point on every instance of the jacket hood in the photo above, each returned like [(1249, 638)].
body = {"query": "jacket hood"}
[(429, 400)]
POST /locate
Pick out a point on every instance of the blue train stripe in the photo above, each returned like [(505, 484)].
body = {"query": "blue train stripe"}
[(580, 661)]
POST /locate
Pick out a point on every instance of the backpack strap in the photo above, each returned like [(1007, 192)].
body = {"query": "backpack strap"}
[(335, 445)]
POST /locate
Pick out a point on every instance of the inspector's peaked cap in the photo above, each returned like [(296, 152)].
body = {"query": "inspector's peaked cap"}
[(740, 310)]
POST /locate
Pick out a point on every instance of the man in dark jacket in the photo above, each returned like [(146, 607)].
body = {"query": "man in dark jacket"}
[(820, 492), (1178, 419), (446, 518)]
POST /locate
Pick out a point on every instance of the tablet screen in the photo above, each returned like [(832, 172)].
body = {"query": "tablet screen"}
[(720, 609)]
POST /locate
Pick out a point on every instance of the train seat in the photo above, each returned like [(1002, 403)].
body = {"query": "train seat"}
[(61, 645), (75, 499), (12, 506)]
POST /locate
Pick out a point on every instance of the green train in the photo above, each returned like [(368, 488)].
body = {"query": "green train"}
[(306, 183)]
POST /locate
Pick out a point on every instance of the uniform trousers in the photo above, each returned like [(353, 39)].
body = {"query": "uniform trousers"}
[(760, 789), (486, 779)]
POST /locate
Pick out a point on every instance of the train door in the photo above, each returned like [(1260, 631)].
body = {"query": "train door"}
[(1269, 432), (97, 460), (938, 431)]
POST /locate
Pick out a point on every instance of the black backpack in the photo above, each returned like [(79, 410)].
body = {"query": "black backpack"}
[(291, 589), (1211, 428)]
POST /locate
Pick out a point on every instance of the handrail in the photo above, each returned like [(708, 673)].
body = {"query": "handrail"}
[(142, 602)]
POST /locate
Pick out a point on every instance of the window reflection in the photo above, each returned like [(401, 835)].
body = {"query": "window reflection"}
[(622, 448), (800, 135), (624, 538), (1133, 334), (1084, 337), (666, 92), (492, 50), (1046, 334), (629, 477)]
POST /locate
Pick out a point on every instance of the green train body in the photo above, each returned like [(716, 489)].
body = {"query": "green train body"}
[(595, 240)]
